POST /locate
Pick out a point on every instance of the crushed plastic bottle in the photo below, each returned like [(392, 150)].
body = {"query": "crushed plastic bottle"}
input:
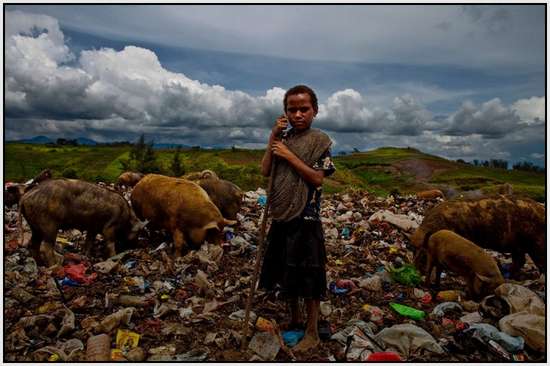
[(408, 311)]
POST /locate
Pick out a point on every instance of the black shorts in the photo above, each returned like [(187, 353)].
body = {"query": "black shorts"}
[(295, 259)]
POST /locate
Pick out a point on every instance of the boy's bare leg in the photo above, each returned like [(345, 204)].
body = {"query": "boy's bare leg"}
[(295, 312), (311, 338)]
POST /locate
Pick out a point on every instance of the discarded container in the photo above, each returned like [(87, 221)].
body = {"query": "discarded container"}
[(488, 332), (375, 314), (383, 356), (345, 234), (262, 200), (98, 348), (446, 307), (292, 337), (408, 311), (448, 295), (126, 339), (406, 275), (337, 290), (264, 325)]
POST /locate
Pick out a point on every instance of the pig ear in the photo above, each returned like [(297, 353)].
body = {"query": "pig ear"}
[(227, 222), (141, 224), (483, 278)]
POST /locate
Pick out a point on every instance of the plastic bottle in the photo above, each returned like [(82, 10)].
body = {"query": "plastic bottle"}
[(408, 311), (98, 348)]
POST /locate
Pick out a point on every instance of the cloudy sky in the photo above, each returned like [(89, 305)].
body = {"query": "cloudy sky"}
[(456, 81)]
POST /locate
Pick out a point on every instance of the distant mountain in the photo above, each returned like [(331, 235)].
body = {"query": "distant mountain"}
[(169, 146), (85, 141), (37, 140)]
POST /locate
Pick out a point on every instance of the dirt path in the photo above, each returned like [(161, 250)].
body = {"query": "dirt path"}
[(421, 169)]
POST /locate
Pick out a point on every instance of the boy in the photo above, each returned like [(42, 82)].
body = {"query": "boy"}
[(295, 255)]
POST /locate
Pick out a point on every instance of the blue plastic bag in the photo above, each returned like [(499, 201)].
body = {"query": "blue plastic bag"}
[(262, 200), (292, 337)]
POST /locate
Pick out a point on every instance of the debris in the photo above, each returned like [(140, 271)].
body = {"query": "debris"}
[(292, 337), (529, 326), (445, 307), (265, 344), (98, 348), (408, 339), (408, 311), (406, 275), (488, 332)]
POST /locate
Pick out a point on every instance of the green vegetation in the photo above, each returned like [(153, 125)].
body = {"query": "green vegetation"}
[(379, 171)]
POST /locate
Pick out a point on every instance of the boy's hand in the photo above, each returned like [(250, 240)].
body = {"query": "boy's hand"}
[(278, 148), (280, 125)]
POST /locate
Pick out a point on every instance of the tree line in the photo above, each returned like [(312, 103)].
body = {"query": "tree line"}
[(503, 164)]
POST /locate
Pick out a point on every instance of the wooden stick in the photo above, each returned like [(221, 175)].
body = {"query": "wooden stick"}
[(259, 255)]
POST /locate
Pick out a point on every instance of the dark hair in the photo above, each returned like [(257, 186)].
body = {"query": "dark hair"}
[(302, 89)]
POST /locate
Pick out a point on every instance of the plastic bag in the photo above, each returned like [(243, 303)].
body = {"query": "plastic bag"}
[(406, 275), (529, 326)]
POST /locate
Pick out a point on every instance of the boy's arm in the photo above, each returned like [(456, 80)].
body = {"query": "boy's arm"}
[(310, 175), (280, 125), (268, 157)]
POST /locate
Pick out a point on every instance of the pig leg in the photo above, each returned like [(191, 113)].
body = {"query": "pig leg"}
[(518, 260), (438, 270), (34, 245), (90, 238), (47, 248), (109, 235), (429, 269), (179, 242)]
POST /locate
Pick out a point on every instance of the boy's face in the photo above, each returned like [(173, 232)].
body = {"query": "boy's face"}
[(299, 111)]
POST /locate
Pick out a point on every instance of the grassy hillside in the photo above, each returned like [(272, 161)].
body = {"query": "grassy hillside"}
[(379, 171)]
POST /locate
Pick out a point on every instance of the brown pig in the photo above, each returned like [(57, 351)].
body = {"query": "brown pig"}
[(75, 204), (430, 194), (448, 250), (225, 195), (180, 206), (14, 191), (205, 174), (129, 179), (503, 223)]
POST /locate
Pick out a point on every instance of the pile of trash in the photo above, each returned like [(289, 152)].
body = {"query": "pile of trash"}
[(145, 305)]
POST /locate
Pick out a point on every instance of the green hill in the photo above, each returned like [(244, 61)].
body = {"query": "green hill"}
[(380, 171)]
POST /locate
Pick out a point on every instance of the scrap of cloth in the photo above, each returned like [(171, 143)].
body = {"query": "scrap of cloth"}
[(289, 192)]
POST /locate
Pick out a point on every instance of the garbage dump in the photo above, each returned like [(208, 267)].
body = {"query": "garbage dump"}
[(145, 304)]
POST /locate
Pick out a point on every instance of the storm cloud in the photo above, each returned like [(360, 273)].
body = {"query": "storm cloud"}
[(108, 94)]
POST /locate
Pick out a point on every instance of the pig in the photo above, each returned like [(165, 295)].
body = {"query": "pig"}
[(74, 204), (205, 174), (181, 207), (503, 223), (448, 250), (430, 194), (225, 195), (14, 191), (129, 179)]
